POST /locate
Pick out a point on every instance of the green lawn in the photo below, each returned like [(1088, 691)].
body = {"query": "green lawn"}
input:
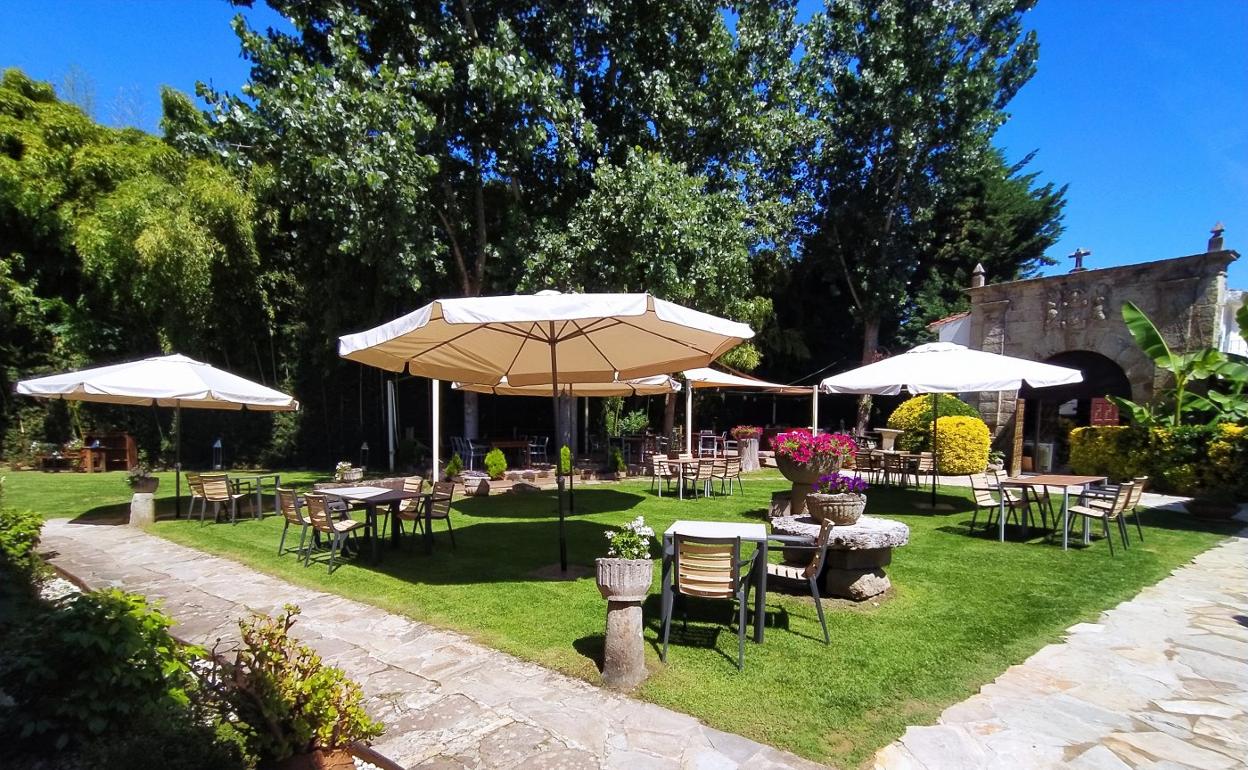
[(962, 610)]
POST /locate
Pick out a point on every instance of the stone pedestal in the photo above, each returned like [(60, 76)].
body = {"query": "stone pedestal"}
[(779, 505), (857, 554), (624, 655), (747, 450), (142, 509), (797, 498), (888, 437)]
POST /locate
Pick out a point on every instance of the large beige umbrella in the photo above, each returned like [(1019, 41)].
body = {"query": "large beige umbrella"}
[(658, 385), (173, 381), (706, 378), (545, 338)]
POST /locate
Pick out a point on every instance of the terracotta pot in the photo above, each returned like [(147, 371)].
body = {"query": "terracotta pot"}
[(145, 486), (1204, 508), (337, 759), (843, 509), (624, 580), (807, 473)]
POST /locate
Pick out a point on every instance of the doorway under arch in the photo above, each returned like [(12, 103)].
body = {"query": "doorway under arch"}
[(1051, 413)]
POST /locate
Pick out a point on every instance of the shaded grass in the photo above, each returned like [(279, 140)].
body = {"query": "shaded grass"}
[(963, 607)]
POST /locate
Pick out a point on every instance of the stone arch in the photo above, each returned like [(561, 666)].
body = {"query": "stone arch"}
[(1102, 376)]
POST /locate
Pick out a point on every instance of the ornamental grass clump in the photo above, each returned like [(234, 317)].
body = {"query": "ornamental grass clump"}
[(632, 541), (840, 484), (803, 447)]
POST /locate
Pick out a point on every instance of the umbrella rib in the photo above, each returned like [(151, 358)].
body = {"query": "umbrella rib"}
[(585, 333), (690, 345), (524, 339)]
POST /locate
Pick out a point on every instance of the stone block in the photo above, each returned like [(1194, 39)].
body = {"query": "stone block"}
[(856, 584)]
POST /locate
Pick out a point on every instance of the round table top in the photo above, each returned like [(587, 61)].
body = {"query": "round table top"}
[(866, 533)]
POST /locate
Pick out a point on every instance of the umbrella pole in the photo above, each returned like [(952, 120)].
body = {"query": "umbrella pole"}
[(554, 393), (177, 462), (935, 455)]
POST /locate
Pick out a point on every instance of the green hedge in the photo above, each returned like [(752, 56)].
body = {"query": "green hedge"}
[(1187, 460)]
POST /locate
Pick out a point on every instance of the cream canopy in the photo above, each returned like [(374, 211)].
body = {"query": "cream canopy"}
[(173, 381), (943, 367), (658, 385), (597, 337), (706, 378)]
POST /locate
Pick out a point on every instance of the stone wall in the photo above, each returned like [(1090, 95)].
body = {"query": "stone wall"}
[(1040, 317)]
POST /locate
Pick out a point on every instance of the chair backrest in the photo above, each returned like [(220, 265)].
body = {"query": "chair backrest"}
[(1125, 490), (440, 505), (706, 444), (825, 534), (979, 486), (197, 486), (318, 512), (926, 462), (216, 487), (893, 463), (732, 466), (539, 442), (707, 566), (706, 466), (288, 501), (457, 444), (413, 484), (1137, 491), (658, 466)]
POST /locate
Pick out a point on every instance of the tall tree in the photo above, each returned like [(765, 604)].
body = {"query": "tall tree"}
[(903, 93)]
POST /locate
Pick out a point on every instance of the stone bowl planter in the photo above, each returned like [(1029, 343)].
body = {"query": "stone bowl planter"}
[(335, 759), (624, 580), (145, 486), (355, 474), (807, 473), (844, 509)]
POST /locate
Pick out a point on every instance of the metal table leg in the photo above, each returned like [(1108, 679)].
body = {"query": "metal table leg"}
[(760, 592)]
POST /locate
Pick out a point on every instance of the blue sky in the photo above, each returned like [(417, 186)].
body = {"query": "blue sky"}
[(1141, 106)]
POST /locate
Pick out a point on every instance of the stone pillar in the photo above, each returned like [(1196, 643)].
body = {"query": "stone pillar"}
[(797, 498), (747, 450), (624, 654), (142, 509)]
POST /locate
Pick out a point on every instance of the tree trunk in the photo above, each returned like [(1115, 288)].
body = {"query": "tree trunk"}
[(472, 415), (669, 413), (870, 346)]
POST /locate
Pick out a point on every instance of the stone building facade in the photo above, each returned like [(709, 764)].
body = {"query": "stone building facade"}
[(1076, 320)]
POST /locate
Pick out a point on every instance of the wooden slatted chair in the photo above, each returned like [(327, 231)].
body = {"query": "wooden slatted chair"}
[(292, 511), (1133, 503), (217, 490), (807, 571), (709, 568), (335, 531), (413, 509), (727, 471), (661, 474), (700, 479), (1106, 513), (440, 507), (1041, 496), (196, 486), (983, 493)]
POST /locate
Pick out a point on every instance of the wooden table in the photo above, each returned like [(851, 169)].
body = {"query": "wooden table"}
[(1064, 481), (681, 463), (522, 445), (371, 497), (754, 533)]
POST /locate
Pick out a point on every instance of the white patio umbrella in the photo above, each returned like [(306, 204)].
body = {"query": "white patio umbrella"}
[(658, 385), (706, 378), (546, 338), (943, 367), (172, 381)]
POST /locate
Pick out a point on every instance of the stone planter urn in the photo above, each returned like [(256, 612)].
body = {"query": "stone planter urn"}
[(624, 583), (844, 508), (145, 485), (803, 477), (747, 450)]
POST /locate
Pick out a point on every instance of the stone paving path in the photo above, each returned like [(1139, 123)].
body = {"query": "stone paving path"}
[(1161, 681), (446, 701)]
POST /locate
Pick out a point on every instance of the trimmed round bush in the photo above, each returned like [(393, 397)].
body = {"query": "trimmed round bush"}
[(914, 416), (962, 445), (495, 463)]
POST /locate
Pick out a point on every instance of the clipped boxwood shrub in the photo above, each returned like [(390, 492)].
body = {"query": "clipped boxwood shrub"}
[(962, 445), (495, 464), (914, 416)]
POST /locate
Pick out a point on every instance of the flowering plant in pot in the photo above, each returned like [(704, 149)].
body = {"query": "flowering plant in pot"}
[(803, 456), (746, 432), (140, 478), (839, 497), (627, 571)]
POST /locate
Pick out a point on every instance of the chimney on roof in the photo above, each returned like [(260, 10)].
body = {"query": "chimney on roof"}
[(977, 276), (1215, 241)]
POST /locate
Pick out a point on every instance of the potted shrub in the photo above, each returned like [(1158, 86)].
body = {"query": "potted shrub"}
[(803, 456), (616, 467), (838, 497), (626, 572), (495, 464), (140, 479), (344, 471), (292, 711), (996, 460), (454, 467), (747, 437)]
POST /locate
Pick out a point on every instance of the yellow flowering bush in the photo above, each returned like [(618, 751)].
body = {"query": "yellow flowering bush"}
[(914, 416), (1103, 451), (1187, 460), (962, 445)]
